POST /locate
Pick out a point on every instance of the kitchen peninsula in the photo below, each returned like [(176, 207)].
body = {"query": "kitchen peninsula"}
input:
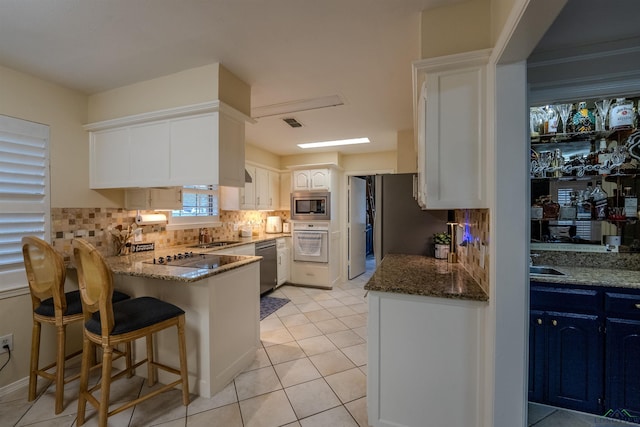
[(221, 301), (425, 351)]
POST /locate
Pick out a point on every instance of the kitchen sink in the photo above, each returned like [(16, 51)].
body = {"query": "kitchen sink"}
[(214, 244), (547, 271)]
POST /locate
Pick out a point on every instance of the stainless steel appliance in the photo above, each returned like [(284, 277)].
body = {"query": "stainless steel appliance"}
[(268, 265), (311, 205), (401, 227), (310, 242)]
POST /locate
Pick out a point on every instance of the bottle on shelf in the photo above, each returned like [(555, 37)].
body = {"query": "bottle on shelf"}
[(550, 209), (614, 207), (583, 119), (584, 202), (557, 163), (630, 203), (599, 197), (621, 114)]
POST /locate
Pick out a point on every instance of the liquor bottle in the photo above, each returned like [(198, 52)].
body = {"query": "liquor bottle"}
[(550, 209), (630, 203), (584, 202), (583, 119), (557, 163), (599, 197), (621, 115)]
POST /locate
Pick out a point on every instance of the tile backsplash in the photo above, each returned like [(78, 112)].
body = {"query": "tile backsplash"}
[(93, 224), (475, 229)]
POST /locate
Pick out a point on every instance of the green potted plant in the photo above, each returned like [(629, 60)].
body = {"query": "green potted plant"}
[(442, 241)]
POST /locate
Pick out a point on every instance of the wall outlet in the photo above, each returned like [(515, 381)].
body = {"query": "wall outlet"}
[(6, 340)]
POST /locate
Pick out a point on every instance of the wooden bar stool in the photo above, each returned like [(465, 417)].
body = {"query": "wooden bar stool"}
[(108, 324), (46, 275)]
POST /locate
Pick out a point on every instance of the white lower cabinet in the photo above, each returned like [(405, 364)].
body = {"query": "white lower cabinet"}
[(424, 365), (283, 247)]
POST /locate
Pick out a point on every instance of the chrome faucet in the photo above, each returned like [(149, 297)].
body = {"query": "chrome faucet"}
[(531, 256)]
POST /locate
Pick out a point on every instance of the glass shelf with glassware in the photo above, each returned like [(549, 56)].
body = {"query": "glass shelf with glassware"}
[(574, 140), (585, 171)]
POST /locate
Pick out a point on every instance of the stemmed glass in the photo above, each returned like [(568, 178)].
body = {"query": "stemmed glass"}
[(564, 110), (603, 109)]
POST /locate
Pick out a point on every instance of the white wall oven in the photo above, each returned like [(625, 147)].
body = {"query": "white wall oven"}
[(311, 206), (310, 242)]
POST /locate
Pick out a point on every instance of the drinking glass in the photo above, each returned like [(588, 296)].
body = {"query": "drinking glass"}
[(564, 110), (603, 109)]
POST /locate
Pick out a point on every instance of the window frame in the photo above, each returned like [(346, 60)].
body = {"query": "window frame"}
[(196, 221), (13, 281)]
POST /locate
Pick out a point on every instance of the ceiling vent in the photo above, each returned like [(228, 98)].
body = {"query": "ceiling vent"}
[(296, 106), (292, 122)]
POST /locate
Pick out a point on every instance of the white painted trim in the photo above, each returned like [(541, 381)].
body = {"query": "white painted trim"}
[(608, 85), (170, 113), (21, 384), (315, 166)]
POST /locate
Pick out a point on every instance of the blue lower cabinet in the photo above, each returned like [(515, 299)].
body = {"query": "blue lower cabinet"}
[(623, 369), (575, 358), (537, 354)]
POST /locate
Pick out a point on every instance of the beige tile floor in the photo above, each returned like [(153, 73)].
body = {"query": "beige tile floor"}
[(548, 416), (310, 371)]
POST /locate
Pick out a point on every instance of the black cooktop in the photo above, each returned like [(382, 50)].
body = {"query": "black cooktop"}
[(191, 260)]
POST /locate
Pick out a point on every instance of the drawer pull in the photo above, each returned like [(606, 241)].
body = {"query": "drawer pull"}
[(554, 322), (638, 305)]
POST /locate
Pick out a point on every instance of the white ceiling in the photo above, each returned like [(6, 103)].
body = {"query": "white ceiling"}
[(286, 50)]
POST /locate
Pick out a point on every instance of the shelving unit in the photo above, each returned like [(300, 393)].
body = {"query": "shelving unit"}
[(582, 161)]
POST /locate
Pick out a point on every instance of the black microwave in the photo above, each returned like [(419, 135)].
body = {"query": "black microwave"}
[(311, 205)]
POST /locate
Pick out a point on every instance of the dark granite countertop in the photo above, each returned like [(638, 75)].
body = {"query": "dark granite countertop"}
[(426, 276), (592, 277)]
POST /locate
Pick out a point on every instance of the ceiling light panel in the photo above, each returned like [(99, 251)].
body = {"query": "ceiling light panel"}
[(334, 143)]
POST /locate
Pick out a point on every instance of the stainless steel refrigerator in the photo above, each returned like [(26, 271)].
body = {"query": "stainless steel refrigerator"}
[(400, 225)]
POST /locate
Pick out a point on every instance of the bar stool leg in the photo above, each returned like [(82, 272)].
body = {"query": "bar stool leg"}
[(105, 386), (151, 369), (35, 356), (61, 329), (184, 373), (87, 350)]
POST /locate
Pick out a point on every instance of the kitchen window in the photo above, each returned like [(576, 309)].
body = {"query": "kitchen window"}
[(199, 207), (25, 208)]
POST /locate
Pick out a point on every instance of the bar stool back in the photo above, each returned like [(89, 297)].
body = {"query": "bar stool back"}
[(46, 274)]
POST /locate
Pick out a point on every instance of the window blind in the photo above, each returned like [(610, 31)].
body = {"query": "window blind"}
[(24, 194), (199, 206)]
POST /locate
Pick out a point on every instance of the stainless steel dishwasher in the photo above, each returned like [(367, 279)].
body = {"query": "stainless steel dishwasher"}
[(268, 265)]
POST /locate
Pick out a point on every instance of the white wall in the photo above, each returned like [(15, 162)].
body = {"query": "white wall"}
[(64, 110)]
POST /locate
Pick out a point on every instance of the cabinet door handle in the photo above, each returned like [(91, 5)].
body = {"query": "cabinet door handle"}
[(539, 321), (554, 322)]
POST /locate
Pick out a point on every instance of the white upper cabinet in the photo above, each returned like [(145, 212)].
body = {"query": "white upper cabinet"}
[(153, 198), (285, 191), (311, 180), (262, 193), (450, 128), (193, 145)]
